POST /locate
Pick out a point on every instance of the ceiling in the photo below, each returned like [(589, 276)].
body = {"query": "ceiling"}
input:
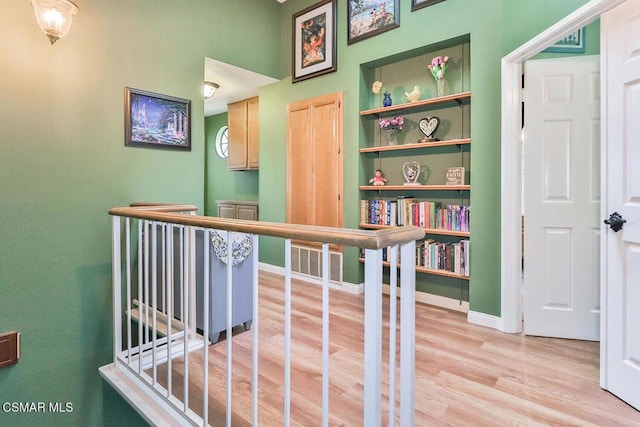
[(235, 84)]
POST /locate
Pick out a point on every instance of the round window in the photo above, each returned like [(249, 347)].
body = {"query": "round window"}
[(222, 142)]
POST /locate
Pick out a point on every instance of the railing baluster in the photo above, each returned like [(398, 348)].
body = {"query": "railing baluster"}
[(325, 335), (154, 299), (145, 300), (372, 336), (287, 332), (117, 287), (128, 261), (163, 245), (229, 325), (407, 333), (206, 283), (255, 323), (185, 317), (392, 254), (170, 293), (141, 228)]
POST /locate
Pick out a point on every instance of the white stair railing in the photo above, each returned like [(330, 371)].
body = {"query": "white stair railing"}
[(161, 261)]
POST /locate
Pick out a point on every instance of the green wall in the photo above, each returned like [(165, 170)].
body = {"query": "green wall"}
[(63, 164), (221, 183), (495, 28)]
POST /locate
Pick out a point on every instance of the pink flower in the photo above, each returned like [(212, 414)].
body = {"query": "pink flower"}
[(395, 123)]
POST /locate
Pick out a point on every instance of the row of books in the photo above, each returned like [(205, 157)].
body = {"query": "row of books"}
[(434, 255), (409, 211), (452, 257)]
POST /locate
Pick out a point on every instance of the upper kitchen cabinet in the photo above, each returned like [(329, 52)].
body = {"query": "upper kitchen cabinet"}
[(244, 135)]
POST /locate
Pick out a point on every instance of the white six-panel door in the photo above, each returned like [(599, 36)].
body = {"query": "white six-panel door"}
[(562, 198), (620, 352)]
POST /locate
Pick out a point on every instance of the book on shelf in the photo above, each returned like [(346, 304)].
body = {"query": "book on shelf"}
[(454, 176)]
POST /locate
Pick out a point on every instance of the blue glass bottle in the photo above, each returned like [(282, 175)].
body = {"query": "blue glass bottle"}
[(386, 101)]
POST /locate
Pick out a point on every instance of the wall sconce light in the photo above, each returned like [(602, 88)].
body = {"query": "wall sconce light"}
[(54, 17), (209, 89)]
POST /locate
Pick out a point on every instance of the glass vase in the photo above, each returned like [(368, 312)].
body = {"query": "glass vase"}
[(391, 136), (386, 101), (440, 86)]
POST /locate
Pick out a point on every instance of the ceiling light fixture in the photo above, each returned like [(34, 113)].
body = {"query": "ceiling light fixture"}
[(209, 89), (54, 17)]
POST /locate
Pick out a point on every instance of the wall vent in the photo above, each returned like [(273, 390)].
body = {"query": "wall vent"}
[(308, 262)]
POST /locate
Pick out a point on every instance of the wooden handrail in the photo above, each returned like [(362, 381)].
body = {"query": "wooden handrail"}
[(368, 239), (164, 207)]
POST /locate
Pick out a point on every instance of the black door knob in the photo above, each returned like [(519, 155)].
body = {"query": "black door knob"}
[(615, 221)]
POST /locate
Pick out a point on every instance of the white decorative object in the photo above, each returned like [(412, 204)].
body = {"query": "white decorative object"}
[(411, 172), (414, 95), (241, 246), (428, 127)]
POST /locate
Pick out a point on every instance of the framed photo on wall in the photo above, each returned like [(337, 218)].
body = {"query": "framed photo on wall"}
[(419, 4), (571, 43), (370, 17), (314, 41), (152, 120)]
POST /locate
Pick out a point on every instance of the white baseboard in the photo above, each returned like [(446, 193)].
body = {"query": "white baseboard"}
[(487, 320), (351, 288), (436, 300)]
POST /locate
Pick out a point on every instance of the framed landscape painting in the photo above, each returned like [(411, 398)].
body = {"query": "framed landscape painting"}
[(152, 120), (419, 4), (370, 17), (314, 41)]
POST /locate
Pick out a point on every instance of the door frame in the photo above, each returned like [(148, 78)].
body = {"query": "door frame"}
[(511, 175)]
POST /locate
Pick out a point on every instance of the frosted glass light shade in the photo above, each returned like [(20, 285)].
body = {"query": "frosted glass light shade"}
[(209, 89), (54, 17)]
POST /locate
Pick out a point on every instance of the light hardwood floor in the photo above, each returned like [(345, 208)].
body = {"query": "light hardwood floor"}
[(465, 374)]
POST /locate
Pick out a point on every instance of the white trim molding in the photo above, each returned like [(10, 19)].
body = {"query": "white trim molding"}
[(510, 244), (483, 319)]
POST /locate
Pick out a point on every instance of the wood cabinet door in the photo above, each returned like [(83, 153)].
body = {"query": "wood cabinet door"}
[(237, 119), (247, 212), (315, 161), (253, 134), (226, 211)]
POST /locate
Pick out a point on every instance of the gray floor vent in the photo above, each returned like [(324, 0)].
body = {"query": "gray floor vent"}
[(308, 261)]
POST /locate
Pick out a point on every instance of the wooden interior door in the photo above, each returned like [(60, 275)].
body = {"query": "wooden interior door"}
[(315, 161)]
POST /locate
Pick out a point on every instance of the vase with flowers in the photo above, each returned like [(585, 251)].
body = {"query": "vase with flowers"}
[(438, 67), (391, 128)]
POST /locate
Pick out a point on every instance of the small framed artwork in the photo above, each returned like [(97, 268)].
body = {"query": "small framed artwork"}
[(314, 41), (152, 120), (370, 17), (419, 4), (572, 43)]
